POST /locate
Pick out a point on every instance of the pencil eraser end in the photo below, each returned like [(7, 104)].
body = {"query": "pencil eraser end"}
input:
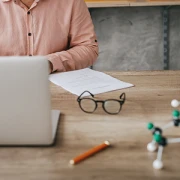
[(107, 143), (71, 162)]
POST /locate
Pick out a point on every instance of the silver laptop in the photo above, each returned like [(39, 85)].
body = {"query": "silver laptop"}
[(25, 103)]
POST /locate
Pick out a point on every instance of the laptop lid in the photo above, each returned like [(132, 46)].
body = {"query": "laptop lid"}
[(25, 107)]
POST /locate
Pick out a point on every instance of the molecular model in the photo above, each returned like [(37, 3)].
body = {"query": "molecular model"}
[(159, 141)]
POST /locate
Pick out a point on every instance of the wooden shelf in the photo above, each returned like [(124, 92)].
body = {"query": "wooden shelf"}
[(106, 3), (119, 3)]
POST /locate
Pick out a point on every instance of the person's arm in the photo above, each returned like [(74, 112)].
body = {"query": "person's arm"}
[(50, 67), (83, 50)]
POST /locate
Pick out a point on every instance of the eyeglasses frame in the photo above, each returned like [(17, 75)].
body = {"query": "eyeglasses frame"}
[(121, 102)]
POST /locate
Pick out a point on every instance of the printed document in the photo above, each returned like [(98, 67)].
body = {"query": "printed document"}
[(93, 81)]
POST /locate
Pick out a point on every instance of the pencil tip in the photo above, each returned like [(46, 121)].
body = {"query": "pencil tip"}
[(107, 143), (71, 162)]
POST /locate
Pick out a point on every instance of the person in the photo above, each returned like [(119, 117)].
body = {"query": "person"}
[(61, 30)]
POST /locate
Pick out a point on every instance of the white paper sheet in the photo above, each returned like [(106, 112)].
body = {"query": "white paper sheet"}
[(96, 82)]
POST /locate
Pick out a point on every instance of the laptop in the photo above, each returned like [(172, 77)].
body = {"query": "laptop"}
[(26, 118)]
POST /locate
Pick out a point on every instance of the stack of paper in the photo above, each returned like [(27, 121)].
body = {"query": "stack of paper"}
[(79, 81)]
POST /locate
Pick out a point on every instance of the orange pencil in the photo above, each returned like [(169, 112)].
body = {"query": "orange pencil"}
[(89, 153)]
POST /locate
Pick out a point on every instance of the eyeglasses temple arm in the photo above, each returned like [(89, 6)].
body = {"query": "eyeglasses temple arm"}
[(123, 97), (83, 93)]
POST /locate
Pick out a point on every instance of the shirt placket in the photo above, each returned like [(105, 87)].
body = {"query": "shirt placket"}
[(30, 29), (29, 33), (29, 21)]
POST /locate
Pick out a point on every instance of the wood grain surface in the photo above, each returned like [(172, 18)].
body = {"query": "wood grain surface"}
[(78, 132)]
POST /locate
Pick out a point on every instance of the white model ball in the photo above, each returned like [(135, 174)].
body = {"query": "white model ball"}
[(157, 164), (151, 147), (175, 103)]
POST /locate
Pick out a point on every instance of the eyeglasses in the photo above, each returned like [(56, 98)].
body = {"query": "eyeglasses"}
[(110, 106)]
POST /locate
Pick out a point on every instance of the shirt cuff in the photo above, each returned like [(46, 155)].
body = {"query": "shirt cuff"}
[(57, 64)]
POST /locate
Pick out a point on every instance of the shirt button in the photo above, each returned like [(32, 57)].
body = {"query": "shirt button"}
[(28, 12), (29, 34)]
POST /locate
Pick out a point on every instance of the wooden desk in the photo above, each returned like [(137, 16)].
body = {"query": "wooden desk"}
[(118, 3), (127, 159)]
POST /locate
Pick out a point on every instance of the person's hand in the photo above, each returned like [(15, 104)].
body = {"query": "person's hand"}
[(50, 67)]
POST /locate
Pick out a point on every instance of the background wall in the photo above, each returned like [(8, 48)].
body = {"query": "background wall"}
[(131, 38), (175, 38)]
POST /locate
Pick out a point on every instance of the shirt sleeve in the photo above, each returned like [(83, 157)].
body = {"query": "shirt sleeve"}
[(83, 46)]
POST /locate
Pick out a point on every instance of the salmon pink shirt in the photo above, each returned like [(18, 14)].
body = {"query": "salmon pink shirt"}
[(61, 30)]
